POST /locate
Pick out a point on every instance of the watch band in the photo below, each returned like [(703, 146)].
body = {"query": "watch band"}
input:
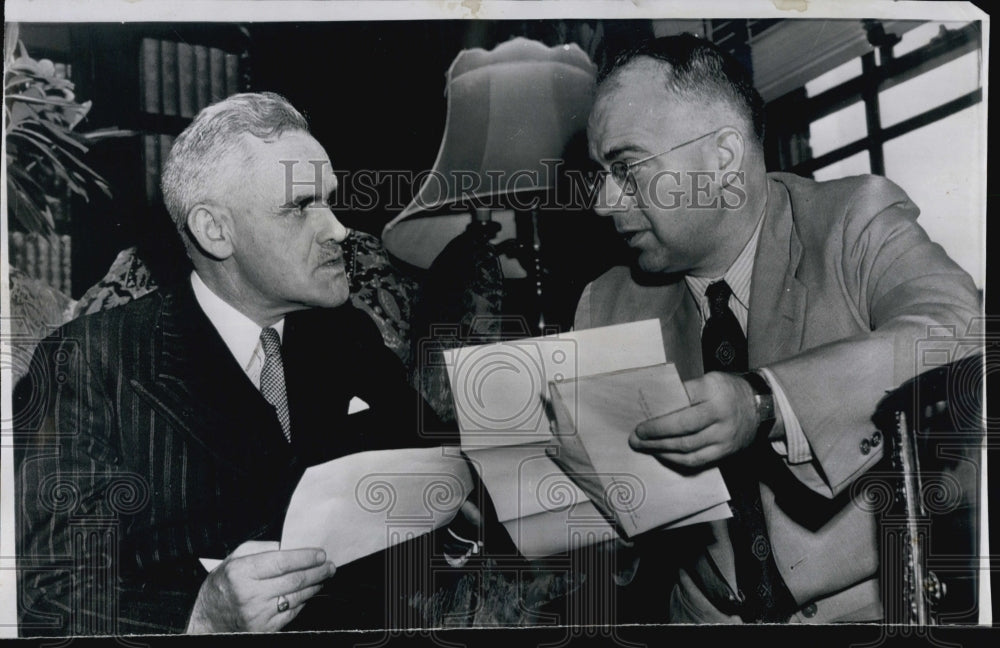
[(764, 401)]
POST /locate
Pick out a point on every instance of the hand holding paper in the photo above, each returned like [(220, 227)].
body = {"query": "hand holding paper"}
[(363, 503), (596, 416), (499, 391), (721, 421), (366, 502), (241, 596)]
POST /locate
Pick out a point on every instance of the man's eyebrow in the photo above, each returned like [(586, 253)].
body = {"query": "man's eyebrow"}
[(618, 151), (307, 199)]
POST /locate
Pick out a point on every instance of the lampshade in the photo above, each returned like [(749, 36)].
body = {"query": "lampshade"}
[(511, 112)]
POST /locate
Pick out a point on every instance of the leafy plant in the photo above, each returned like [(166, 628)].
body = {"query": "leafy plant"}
[(44, 152)]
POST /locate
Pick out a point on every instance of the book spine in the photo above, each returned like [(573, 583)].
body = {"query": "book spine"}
[(232, 74), (168, 72), (151, 160), (55, 263), (166, 141), (65, 255), (202, 77), (30, 257), (186, 80), (149, 63), (217, 74), (16, 243), (44, 268)]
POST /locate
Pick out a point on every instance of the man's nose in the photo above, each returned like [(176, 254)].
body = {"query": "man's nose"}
[(332, 229), (611, 198)]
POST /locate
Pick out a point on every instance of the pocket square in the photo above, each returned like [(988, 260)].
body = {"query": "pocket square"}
[(210, 563), (357, 405)]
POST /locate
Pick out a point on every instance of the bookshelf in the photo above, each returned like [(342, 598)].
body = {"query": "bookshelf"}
[(152, 79)]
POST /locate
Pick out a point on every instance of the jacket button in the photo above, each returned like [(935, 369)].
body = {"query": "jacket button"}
[(866, 446), (809, 611), (876, 438)]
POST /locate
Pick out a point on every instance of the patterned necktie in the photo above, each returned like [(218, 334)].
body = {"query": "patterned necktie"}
[(765, 596), (272, 379), (723, 345)]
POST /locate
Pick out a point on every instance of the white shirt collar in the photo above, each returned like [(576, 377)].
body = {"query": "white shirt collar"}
[(240, 333), (737, 276)]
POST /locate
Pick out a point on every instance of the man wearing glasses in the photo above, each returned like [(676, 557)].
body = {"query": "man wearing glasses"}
[(790, 308)]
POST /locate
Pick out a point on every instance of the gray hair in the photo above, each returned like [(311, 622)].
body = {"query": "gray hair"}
[(196, 160)]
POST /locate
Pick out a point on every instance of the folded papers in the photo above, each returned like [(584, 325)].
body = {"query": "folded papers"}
[(595, 417), (546, 488)]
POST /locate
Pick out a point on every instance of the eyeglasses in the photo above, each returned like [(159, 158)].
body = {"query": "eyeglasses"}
[(622, 171)]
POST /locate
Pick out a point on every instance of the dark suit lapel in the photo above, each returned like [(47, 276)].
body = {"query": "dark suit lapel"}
[(311, 376), (199, 386), (777, 298), (324, 368)]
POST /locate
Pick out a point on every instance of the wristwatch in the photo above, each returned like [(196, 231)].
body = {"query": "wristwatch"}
[(764, 401)]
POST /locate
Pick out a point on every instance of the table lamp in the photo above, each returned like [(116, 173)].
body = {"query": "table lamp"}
[(512, 111)]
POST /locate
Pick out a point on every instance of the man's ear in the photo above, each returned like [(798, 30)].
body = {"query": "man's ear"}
[(730, 149), (211, 228)]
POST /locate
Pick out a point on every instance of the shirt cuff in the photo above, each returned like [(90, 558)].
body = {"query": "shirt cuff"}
[(794, 446)]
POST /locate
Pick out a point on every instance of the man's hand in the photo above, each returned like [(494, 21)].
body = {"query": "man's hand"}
[(721, 421), (241, 594)]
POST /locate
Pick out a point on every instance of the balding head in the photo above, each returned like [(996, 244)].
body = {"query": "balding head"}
[(677, 125), (697, 72)]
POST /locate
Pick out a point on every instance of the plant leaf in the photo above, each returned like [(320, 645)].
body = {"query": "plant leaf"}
[(32, 139), (107, 133), (44, 154), (39, 98), (66, 154), (20, 132), (18, 174), (27, 212), (15, 79), (63, 136)]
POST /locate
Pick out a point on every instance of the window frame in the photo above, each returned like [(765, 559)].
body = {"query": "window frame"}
[(876, 76)]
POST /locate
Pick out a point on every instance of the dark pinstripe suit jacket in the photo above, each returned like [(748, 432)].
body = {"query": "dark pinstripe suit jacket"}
[(142, 446)]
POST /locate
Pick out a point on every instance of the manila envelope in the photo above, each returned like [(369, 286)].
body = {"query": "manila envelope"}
[(596, 415)]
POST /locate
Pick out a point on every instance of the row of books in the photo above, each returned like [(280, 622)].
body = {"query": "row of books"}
[(155, 149), (45, 258), (62, 70), (180, 79)]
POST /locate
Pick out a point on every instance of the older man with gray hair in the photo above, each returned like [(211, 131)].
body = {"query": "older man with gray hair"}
[(175, 427)]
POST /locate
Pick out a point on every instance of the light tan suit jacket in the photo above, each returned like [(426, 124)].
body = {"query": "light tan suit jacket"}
[(845, 285)]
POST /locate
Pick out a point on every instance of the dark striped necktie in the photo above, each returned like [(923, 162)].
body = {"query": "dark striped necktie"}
[(764, 595)]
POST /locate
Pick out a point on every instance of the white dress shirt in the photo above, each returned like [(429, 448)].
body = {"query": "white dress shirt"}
[(793, 445), (238, 331)]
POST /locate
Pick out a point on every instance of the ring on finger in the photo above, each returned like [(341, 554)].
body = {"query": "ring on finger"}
[(282, 603)]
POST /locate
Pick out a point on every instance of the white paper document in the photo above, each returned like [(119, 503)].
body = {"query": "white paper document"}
[(498, 390), (596, 415), (362, 503)]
